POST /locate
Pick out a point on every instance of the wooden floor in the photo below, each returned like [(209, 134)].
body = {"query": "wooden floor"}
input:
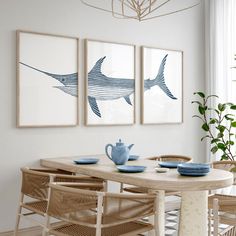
[(33, 231)]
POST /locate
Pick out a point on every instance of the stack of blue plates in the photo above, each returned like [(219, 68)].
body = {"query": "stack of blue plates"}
[(193, 169)]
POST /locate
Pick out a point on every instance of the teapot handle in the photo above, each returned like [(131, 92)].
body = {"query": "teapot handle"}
[(106, 149)]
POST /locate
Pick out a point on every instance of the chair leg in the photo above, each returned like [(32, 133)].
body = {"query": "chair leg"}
[(209, 221), (44, 233), (18, 215), (215, 217), (46, 227), (121, 187)]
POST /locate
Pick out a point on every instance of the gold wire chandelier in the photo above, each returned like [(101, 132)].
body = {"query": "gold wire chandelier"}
[(134, 9)]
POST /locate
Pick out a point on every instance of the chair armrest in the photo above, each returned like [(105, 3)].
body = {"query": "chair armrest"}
[(80, 185)]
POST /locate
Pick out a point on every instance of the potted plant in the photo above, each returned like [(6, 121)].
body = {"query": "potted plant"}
[(219, 124)]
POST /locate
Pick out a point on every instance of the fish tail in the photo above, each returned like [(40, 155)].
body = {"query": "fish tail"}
[(160, 79)]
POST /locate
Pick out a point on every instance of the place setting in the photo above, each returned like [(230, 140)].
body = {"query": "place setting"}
[(184, 168)]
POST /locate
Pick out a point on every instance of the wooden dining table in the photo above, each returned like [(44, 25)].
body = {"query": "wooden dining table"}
[(194, 190)]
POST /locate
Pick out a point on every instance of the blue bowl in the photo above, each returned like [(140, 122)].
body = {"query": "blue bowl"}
[(193, 174), (131, 169), (193, 171), (84, 161), (194, 166), (133, 157), (172, 164)]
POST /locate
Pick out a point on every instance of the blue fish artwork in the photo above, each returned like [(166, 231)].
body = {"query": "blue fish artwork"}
[(102, 87)]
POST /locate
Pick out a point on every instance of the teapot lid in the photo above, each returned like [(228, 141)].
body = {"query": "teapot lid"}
[(119, 143)]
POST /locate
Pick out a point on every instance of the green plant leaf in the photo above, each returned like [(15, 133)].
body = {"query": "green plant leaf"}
[(224, 157), (201, 110), (201, 94), (233, 124), (207, 136), (221, 146), (198, 117), (229, 142), (221, 128), (220, 135), (227, 117), (212, 96), (213, 121), (233, 107), (205, 127), (199, 103), (214, 149), (215, 140), (221, 107)]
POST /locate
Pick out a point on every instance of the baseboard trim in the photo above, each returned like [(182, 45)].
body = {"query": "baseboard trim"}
[(32, 231)]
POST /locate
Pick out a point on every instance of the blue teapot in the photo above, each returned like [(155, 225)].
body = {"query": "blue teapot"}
[(119, 153)]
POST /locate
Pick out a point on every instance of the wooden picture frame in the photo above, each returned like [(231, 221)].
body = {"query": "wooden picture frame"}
[(110, 83), (162, 86), (47, 80)]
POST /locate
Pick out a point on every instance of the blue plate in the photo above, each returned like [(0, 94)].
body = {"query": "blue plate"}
[(168, 164), (194, 166), (193, 174), (83, 161), (133, 157), (131, 169), (193, 171)]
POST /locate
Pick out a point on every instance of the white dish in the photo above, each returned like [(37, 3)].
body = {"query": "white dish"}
[(161, 170)]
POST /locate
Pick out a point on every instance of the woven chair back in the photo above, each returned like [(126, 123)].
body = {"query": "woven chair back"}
[(123, 207), (174, 158), (35, 184), (226, 203), (79, 206), (226, 165)]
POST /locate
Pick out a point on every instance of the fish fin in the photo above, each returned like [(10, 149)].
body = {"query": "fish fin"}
[(160, 79), (94, 106), (97, 67), (127, 99)]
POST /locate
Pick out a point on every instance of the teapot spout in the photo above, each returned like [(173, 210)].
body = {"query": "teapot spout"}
[(130, 146)]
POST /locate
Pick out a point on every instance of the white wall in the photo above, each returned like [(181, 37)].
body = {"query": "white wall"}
[(21, 147)]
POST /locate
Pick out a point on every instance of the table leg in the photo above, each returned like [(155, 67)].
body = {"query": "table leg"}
[(193, 214), (159, 219)]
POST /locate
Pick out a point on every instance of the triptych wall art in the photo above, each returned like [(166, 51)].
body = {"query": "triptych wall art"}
[(110, 70), (162, 86), (47, 82)]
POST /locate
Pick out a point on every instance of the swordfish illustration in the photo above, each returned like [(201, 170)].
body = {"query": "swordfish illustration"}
[(102, 87)]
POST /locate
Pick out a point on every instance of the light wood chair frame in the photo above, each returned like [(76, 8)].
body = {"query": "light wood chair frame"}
[(220, 206), (101, 208), (53, 174)]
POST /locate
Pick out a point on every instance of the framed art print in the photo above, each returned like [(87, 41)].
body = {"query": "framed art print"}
[(110, 83), (47, 80), (162, 72)]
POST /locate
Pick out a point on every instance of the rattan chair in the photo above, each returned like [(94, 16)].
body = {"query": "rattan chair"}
[(35, 188), (167, 158), (222, 207), (116, 213)]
